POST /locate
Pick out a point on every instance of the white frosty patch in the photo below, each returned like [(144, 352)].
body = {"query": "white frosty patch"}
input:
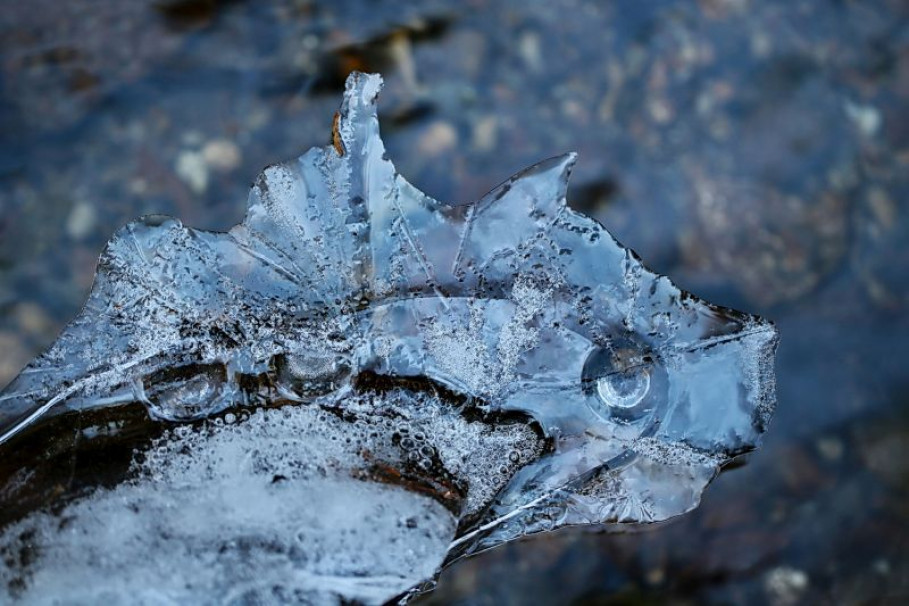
[(258, 511), (462, 349)]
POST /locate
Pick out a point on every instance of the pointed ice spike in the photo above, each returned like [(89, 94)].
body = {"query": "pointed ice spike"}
[(357, 123), (514, 212), (409, 235), (371, 173), (312, 215)]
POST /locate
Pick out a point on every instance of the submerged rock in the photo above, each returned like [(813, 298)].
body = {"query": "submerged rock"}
[(356, 386)]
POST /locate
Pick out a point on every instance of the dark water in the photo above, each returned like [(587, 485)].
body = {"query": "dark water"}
[(757, 152)]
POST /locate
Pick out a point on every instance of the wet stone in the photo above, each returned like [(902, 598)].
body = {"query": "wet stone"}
[(221, 155), (358, 385), (192, 168), (785, 586)]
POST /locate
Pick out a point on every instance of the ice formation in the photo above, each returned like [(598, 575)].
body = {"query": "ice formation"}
[(357, 385)]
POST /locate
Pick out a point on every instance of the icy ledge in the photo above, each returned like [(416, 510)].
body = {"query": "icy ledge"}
[(356, 386)]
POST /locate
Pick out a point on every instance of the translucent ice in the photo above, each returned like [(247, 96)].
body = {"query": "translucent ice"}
[(357, 385)]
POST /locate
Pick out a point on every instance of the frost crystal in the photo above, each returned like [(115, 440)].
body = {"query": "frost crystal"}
[(357, 385)]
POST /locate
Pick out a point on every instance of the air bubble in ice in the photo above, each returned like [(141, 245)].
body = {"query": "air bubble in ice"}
[(624, 389), (186, 392)]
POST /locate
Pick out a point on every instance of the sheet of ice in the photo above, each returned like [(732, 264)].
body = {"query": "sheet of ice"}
[(488, 370)]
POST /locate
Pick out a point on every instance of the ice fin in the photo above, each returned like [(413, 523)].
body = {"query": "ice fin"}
[(513, 213), (357, 122)]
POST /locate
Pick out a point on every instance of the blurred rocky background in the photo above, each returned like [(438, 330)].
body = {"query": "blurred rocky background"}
[(757, 151)]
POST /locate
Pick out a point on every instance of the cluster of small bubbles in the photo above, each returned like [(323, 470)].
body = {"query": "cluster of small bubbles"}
[(463, 448), (413, 444)]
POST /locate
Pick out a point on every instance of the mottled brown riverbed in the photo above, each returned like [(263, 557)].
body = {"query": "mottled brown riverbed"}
[(757, 152)]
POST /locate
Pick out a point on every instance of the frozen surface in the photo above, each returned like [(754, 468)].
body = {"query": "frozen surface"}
[(252, 511), (358, 384)]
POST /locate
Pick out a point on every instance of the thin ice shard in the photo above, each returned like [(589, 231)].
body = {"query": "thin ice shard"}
[(359, 384)]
